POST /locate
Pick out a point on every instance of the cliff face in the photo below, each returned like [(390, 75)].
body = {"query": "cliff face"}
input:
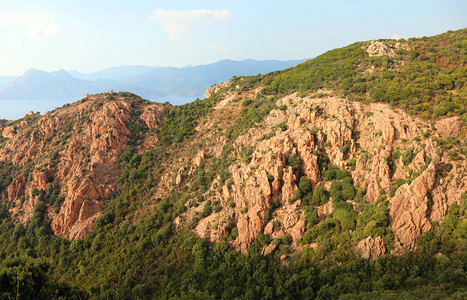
[(75, 151)]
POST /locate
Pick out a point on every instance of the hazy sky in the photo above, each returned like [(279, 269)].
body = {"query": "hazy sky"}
[(92, 35)]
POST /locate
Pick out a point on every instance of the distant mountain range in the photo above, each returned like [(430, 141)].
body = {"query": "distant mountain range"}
[(4, 80), (147, 81), (113, 73)]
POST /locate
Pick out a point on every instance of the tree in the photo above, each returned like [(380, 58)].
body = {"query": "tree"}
[(26, 278), (305, 185), (320, 196), (295, 162), (345, 218)]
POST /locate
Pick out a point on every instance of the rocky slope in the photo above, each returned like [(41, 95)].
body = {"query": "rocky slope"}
[(75, 151), (353, 136), (258, 163)]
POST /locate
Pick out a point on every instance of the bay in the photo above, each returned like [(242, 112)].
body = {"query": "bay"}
[(17, 108)]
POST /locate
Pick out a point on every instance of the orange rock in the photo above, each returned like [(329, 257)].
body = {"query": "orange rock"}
[(289, 187), (16, 188), (408, 211), (40, 179), (9, 132), (152, 116), (215, 88), (84, 165), (372, 248), (375, 128), (449, 126)]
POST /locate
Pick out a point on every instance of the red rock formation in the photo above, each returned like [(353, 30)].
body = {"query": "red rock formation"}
[(372, 248), (449, 126), (215, 88), (371, 134), (8, 132), (409, 210), (77, 148), (85, 139), (152, 116)]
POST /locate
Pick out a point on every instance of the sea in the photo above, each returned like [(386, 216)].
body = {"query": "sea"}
[(16, 109)]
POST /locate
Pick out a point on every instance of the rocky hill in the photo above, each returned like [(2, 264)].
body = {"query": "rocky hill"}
[(351, 155), (360, 153), (69, 157)]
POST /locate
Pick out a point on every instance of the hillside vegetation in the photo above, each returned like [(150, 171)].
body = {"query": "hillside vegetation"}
[(344, 177), (426, 76)]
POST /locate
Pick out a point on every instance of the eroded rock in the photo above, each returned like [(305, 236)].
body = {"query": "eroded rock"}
[(372, 248), (409, 210), (449, 126), (377, 48)]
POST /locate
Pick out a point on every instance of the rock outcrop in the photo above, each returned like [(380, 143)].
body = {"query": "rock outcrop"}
[(377, 48), (372, 248), (409, 211), (449, 126), (8, 132), (152, 116), (215, 88)]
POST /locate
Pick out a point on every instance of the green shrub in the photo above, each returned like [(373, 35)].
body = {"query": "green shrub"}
[(207, 209), (305, 186), (247, 102), (352, 164), (408, 156), (105, 219), (217, 208), (320, 196), (281, 125), (346, 218), (295, 162)]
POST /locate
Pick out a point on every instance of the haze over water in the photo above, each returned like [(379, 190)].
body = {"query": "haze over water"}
[(16, 109)]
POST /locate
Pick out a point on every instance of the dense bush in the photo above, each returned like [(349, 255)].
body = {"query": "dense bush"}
[(179, 122), (295, 162), (320, 196), (252, 113), (28, 278)]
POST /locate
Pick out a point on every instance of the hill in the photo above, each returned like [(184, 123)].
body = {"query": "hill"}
[(292, 184), (420, 75)]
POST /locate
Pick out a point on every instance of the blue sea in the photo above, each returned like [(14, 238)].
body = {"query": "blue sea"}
[(16, 109)]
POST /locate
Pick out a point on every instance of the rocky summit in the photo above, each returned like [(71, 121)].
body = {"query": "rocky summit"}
[(346, 173)]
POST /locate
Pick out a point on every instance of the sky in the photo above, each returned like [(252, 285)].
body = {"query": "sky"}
[(89, 36)]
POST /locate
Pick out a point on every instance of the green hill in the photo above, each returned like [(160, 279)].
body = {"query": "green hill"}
[(425, 76)]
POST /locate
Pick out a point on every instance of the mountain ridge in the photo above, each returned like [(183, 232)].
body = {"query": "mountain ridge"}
[(150, 82)]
